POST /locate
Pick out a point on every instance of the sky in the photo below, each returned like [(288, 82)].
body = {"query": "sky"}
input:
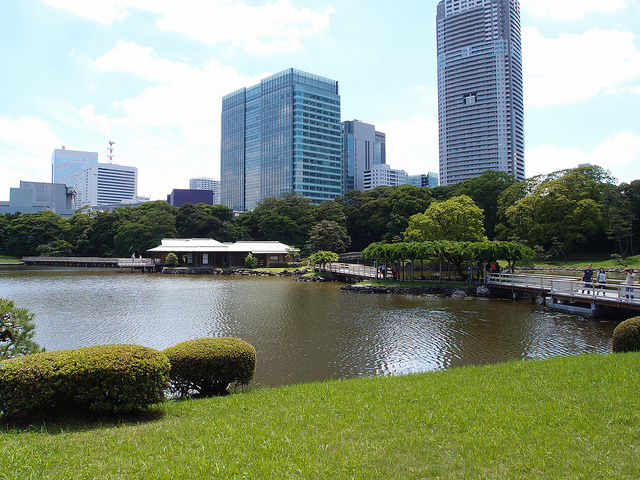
[(149, 75)]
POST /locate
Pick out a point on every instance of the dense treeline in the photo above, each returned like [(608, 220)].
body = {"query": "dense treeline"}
[(574, 210)]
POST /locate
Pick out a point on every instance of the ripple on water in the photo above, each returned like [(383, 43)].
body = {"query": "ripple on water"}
[(301, 331)]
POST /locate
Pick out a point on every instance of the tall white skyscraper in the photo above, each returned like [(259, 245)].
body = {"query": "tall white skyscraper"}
[(480, 100)]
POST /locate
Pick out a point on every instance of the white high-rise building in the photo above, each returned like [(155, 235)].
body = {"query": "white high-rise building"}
[(207, 184), (480, 101), (108, 184), (379, 175)]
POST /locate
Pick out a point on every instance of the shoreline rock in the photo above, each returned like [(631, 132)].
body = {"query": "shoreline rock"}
[(238, 271), (456, 292)]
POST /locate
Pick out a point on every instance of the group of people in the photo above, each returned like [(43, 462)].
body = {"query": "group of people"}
[(601, 280)]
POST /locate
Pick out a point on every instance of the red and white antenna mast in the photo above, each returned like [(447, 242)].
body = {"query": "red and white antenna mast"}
[(110, 156)]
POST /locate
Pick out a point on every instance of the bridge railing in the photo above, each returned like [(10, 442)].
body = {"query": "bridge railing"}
[(350, 269), (137, 262), (613, 290)]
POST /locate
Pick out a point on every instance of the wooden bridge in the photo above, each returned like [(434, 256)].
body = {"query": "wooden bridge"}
[(144, 264), (351, 270), (569, 293), (557, 292)]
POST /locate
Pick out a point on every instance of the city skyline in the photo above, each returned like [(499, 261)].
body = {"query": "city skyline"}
[(151, 76)]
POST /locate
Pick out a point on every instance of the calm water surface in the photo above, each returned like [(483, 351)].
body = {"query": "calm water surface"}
[(301, 331)]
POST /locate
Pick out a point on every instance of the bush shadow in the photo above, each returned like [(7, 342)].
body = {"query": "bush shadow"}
[(54, 423)]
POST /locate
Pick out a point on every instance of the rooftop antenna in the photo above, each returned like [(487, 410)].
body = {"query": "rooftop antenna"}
[(110, 156)]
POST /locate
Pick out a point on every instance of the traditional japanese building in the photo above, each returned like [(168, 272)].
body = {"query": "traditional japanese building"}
[(207, 252)]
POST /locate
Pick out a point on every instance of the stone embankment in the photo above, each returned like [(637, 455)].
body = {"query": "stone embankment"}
[(297, 274), (449, 291)]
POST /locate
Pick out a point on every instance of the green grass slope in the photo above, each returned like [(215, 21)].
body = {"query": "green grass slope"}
[(563, 418)]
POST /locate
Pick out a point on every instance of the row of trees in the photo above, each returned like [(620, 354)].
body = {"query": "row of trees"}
[(456, 253), (555, 214)]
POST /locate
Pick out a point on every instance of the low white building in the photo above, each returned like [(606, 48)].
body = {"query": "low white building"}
[(380, 175), (207, 252)]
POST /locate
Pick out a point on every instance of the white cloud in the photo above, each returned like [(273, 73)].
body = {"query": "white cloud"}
[(412, 145), (571, 9), (620, 154), (273, 26), (24, 144), (103, 11), (575, 67), (183, 95), (176, 121)]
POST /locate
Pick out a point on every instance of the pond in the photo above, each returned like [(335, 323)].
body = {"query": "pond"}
[(302, 331)]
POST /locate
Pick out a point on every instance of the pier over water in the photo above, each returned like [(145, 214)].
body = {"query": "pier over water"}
[(561, 293)]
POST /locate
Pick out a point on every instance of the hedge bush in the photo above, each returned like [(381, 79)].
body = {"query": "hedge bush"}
[(626, 336), (171, 260), (208, 366), (101, 379)]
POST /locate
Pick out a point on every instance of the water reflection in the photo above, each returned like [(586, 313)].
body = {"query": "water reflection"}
[(302, 332)]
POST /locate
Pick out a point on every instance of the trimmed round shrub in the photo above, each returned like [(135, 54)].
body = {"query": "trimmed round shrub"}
[(101, 379), (171, 260), (626, 336), (209, 366)]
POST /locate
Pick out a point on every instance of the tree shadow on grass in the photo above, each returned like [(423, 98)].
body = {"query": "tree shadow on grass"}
[(53, 423)]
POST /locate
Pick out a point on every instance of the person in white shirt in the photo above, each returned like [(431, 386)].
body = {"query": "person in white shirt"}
[(628, 282)]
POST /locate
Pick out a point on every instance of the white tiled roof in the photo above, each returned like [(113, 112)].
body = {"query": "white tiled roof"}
[(208, 245)]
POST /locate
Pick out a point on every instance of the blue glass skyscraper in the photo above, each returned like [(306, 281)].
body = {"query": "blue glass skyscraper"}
[(281, 136)]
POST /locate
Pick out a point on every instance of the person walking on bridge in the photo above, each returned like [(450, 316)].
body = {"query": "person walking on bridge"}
[(602, 280), (587, 273), (628, 282)]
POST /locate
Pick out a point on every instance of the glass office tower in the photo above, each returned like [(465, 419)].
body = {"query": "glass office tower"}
[(362, 149), (480, 102), (281, 136), (66, 167)]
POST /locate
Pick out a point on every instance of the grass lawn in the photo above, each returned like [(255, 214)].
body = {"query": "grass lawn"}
[(563, 418), (598, 260), (7, 259)]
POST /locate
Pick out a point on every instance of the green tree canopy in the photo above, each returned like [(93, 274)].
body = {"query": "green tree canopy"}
[(568, 206), (27, 232), (4, 223), (323, 257), (287, 219), (206, 221), (21, 327), (485, 191), (382, 213), (141, 229), (457, 219), (328, 235)]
